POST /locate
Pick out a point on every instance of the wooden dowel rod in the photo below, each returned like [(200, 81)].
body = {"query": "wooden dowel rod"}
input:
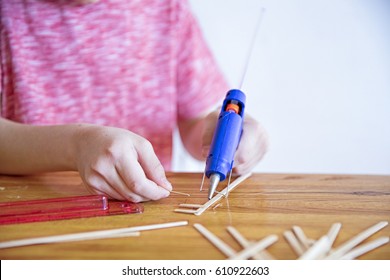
[(91, 234), (362, 249), (254, 248), (120, 235), (347, 246), (222, 246)]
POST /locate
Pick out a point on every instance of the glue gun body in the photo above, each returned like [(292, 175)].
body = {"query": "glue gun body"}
[(226, 138)]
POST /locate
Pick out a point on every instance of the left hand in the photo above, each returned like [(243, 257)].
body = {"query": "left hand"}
[(252, 147)]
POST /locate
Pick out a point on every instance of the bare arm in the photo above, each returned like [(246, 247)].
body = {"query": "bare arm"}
[(111, 161), (26, 149)]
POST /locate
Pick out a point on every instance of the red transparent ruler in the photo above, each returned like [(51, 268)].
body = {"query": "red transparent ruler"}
[(64, 208)]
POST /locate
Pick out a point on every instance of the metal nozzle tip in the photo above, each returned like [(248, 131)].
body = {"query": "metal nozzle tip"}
[(214, 181)]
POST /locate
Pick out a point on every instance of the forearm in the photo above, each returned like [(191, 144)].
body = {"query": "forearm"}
[(27, 149), (191, 133)]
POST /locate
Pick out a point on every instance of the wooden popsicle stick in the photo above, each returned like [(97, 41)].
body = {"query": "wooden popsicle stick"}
[(189, 205), (301, 237), (181, 193), (262, 255), (222, 246), (318, 250), (294, 243), (120, 235), (91, 234), (333, 232), (186, 211), (223, 193), (362, 249), (347, 246), (254, 248)]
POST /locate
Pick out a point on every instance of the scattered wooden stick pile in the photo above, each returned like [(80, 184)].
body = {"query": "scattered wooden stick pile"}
[(305, 248), (255, 250)]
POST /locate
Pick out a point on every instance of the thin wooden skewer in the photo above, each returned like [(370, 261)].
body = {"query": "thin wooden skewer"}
[(223, 193), (88, 235), (262, 255), (333, 232), (222, 246), (254, 248), (318, 250), (301, 237), (181, 193), (347, 246), (294, 243), (362, 249)]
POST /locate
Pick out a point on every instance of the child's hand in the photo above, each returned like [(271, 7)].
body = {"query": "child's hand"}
[(252, 147), (120, 164)]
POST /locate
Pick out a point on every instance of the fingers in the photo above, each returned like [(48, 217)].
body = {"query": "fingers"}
[(136, 181), (151, 165), (252, 147), (111, 186)]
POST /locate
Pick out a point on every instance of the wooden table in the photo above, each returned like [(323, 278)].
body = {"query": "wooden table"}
[(263, 204)]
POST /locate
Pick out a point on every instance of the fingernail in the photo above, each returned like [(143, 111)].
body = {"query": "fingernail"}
[(166, 184)]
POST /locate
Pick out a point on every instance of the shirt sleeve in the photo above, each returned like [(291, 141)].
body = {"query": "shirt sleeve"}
[(200, 83)]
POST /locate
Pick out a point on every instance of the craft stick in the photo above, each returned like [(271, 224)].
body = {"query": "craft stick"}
[(347, 246), (91, 234), (186, 211), (333, 232), (362, 249), (318, 250), (301, 237), (294, 243), (189, 205), (121, 235), (262, 255), (254, 248), (223, 193), (222, 246), (186, 194)]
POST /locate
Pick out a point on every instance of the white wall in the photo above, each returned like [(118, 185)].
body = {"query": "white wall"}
[(319, 80)]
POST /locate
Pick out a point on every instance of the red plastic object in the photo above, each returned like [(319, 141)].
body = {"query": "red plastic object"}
[(64, 208)]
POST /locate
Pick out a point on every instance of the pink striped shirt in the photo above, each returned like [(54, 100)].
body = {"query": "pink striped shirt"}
[(139, 65)]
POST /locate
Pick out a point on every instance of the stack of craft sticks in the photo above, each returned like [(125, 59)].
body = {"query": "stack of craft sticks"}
[(305, 248)]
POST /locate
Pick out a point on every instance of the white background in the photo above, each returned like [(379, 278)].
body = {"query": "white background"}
[(319, 80)]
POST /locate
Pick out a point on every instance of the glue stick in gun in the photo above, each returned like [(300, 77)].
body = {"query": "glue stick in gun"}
[(226, 138)]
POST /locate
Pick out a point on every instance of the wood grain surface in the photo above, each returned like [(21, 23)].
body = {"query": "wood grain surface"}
[(262, 205)]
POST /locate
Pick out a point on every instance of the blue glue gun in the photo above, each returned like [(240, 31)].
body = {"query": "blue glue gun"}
[(226, 138)]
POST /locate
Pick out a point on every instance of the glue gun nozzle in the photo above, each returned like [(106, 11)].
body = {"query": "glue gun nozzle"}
[(214, 181)]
